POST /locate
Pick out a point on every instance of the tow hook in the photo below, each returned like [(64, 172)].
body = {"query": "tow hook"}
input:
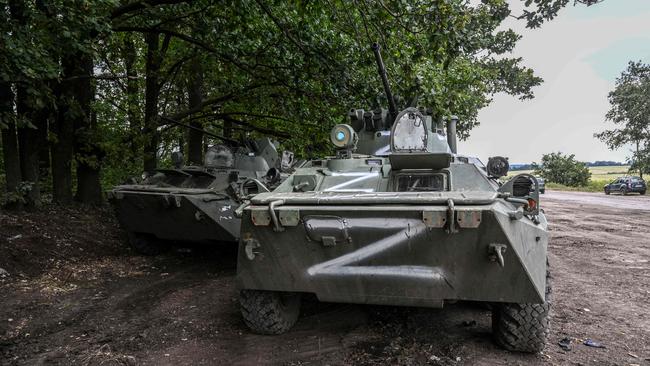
[(250, 244), (172, 200), (495, 253), (239, 211), (517, 214), (276, 223), (451, 217)]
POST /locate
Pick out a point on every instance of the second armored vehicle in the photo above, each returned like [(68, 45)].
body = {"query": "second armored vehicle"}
[(196, 203)]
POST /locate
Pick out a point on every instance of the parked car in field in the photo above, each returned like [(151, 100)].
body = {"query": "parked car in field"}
[(625, 185), (541, 182)]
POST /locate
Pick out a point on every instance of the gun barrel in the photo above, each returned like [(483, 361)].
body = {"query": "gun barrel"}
[(392, 107)]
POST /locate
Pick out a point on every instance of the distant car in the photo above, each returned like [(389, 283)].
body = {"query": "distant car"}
[(541, 183), (625, 185)]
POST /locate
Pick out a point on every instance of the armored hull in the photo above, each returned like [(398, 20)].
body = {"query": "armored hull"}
[(177, 214), (398, 217), (196, 203), (419, 225), (393, 247), (397, 253)]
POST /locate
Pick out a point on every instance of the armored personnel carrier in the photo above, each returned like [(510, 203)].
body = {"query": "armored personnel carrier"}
[(398, 217), (196, 203)]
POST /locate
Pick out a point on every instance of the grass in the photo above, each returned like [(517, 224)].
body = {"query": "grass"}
[(608, 173), (600, 176), (593, 186)]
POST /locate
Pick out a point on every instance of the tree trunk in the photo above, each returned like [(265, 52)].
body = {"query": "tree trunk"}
[(15, 133), (227, 129), (638, 160), (44, 116), (195, 93), (152, 91), (88, 154), (135, 124), (28, 146), (62, 129), (181, 143), (10, 144)]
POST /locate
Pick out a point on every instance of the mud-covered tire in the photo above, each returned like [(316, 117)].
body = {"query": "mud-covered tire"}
[(269, 312), (145, 244), (523, 327)]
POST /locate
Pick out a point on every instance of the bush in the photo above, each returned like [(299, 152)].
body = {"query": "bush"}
[(563, 169)]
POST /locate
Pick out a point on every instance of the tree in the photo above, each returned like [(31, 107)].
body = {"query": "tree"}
[(630, 112), (10, 146), (641, 162), (536, 12), (291, 64), (100, 82), (562, 169)]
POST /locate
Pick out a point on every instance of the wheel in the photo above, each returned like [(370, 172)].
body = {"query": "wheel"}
[(542, 191), (642, 193), (623, 191), (145, 244), (269, 312), (523, 327), (607, 191)]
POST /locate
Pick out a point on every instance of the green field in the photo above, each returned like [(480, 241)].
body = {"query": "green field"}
[(608, 173), (600, 175)]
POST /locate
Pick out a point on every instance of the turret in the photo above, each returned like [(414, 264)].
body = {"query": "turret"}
[(409, 137), (414, 145)]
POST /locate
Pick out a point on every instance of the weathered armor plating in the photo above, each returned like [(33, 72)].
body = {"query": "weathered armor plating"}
[(401, 220), (197, 203)]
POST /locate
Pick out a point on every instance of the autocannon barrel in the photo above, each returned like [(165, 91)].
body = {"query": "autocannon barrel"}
[(392, 107)]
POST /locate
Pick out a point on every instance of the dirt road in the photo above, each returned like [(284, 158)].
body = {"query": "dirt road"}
[(75, 295), (631, 201)]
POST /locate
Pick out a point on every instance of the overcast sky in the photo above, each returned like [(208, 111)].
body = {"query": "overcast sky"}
[(579, 55)]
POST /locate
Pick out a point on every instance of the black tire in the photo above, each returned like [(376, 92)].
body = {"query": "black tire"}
[(624, 191), (542, 191), (607, 192), (642, 193), (269, 312), (145, 244), (523, 327)]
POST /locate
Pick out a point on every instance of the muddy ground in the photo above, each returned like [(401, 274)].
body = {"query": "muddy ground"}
[(75, 295)]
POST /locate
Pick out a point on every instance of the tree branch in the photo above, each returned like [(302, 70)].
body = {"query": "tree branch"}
[(263, 130), (205, 103), (187, 39), (142, 4)]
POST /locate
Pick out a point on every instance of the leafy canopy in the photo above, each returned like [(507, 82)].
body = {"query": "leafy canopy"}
[(299, 66), (630, 113), (286, 68)]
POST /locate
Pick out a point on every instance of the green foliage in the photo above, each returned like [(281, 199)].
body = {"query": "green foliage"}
[(289, 69), (297, 67), (37, 35), (562, 169), (640, 163), (293, 69), (630, 113), (536, 12)]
